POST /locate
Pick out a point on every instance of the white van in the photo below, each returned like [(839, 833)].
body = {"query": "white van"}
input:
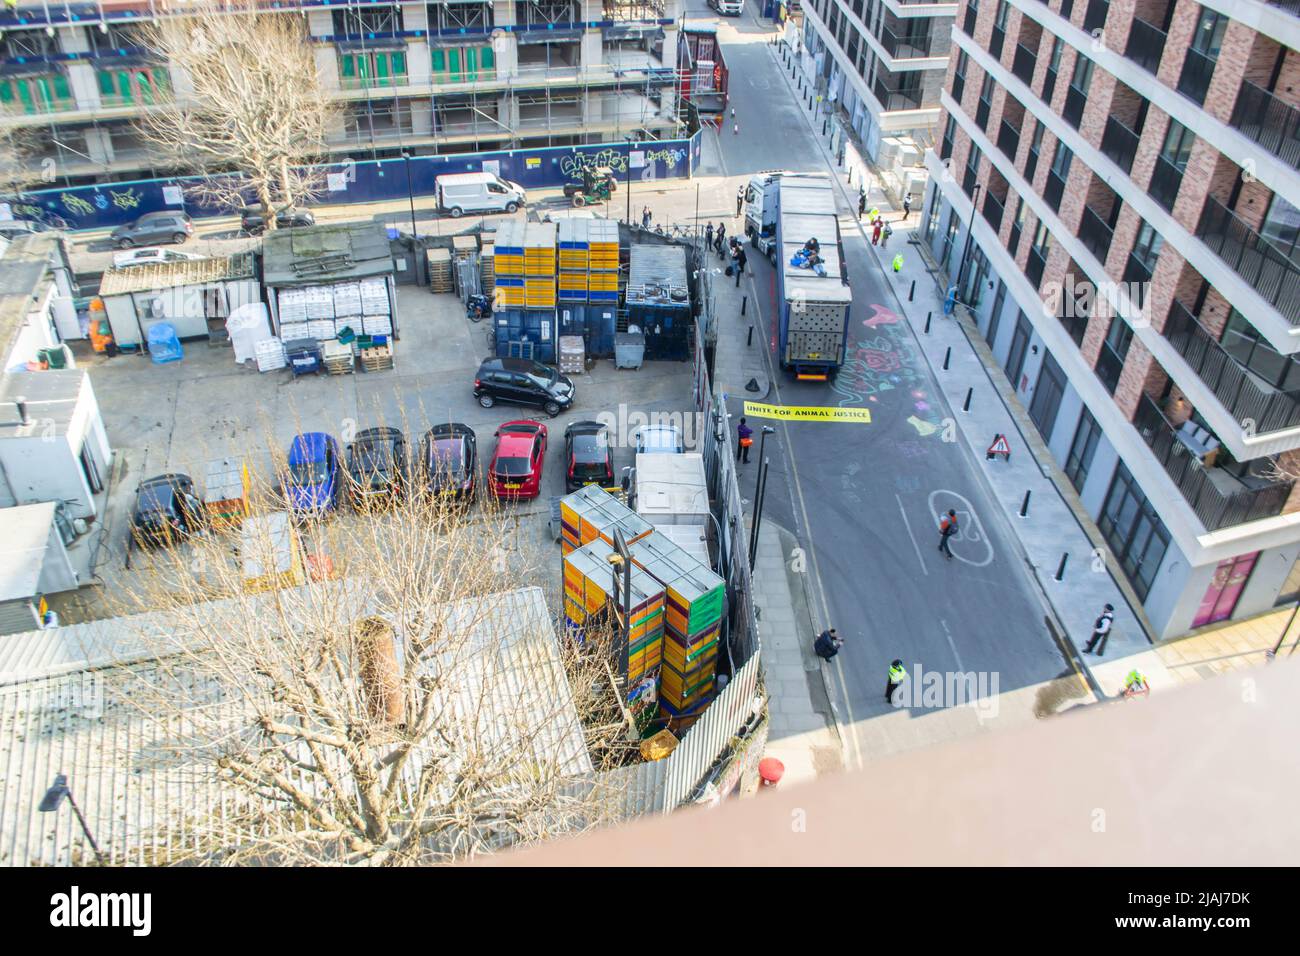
[(728, 8), (459, 193)]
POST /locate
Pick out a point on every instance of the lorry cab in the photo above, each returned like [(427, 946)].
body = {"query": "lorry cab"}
[(459, 193), (760, 212)]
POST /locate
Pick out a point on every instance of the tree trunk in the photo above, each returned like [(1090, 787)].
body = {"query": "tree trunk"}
[(268, 208)]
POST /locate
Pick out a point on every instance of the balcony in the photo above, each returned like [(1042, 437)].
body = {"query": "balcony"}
[(1008, 140), (904, 47), (1269, 122), (1146, 45), (993, 209), (1076, 100), (1242, 392), (1054, 190), (1095, 234), (1023, 64), (1219, 498), (897, 99), (1166, 180), (1259, 263), (1095, 17), (1290, 6), (1198, 71), (996, 40), (1034, 267), (1119, 144)]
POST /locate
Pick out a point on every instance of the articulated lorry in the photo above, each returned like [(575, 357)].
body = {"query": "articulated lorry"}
[(791, 218)]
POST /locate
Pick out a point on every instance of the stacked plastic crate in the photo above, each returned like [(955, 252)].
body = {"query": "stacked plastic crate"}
[(573, 262), (591, 514), (509, 263), (694, 598), (539, 265), (602, 278)]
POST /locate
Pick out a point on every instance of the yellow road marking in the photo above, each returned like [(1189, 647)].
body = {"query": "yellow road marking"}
[(808, 413)]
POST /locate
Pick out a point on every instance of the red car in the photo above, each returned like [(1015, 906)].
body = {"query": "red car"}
[(516, 467)]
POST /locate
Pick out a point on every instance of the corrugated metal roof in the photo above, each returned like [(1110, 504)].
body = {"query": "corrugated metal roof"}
[(312, 255), (145, 784), (169, 275), (655, 273)]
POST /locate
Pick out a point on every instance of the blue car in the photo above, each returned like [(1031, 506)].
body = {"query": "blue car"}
[(314, 480)]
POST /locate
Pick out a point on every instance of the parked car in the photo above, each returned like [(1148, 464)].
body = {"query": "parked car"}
[(516, 468), (728, 8), (314, 474), (522, 382), (253, 222), (449, 460), (14, 228), (659, 439), (153, 227), (150, 255), (166, 510), (590, 461), (377, 466)]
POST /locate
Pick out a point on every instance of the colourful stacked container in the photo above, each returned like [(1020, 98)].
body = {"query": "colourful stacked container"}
[(693, 629), (539, 265), (591, 514), (509, 257), (602, 277), (574, 259), (589, 592)]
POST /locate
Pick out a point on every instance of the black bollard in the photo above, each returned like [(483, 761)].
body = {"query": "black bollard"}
[(912, 291), (965, 406), (823, 127), (1024, 505), (1060, 568), (928, 315), (946, 356), (749, 341), (744, 300)]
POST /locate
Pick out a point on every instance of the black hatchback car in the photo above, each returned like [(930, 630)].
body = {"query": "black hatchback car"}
[(522, 382), (166, 510), (587, 456), (253, 222), (377, 466), (449, 460)]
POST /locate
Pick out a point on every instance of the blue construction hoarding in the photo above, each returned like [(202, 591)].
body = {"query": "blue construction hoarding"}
[(112, 204)]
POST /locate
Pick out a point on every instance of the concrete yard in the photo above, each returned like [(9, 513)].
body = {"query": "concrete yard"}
[(178, 416)]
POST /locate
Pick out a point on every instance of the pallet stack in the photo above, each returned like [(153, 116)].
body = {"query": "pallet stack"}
[(377, 358), (439, 262), (694, 598), (226, 493), (602, 276), (590, 598), (591, 514), (487, 266)]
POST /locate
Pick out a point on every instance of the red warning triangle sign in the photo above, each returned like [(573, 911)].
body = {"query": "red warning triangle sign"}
[(999, 447)]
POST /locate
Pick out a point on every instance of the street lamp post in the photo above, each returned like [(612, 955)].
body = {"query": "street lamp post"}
[(762, 441), (50, 803), (759, 494), (410, 194), (629, 182)]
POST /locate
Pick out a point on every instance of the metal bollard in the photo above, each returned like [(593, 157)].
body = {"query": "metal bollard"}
[(965, 406), (749, 340), (1024, 505), (946, 356), (928, 316), (744, 300), (912, 291), (1060, 569)]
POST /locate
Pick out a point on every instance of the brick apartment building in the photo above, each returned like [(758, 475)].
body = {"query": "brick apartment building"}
[(1129, 171), (438, 77), (883, 62)]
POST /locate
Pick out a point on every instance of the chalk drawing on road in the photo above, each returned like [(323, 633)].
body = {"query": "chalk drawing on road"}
[(969, 527), (885, 359), (923, 428)]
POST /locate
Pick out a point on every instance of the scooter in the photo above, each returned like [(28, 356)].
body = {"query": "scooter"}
[(478, 308)]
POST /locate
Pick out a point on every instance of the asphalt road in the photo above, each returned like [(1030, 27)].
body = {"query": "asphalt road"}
[(866, 498)]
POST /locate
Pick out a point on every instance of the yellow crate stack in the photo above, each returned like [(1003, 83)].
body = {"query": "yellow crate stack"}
[(508, 263), (539, 265), (602, 244)]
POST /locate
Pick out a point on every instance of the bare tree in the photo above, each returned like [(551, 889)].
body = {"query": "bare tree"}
[(248, 101), (403, 705), (20, 165)]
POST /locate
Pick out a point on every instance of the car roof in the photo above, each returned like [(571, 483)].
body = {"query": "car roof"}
[(309, 446), (584, 428)]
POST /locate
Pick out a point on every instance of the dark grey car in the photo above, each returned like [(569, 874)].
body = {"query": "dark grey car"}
[(153, 228)]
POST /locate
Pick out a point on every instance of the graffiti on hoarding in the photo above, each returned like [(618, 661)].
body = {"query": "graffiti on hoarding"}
[(574, 165), (76, 205), (669, 157), (125, 200)]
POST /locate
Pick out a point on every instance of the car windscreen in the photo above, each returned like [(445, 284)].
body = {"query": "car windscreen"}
[(543, 374), (308, 473), (157, 498), (513, 467), (369, 458), (446, 456)]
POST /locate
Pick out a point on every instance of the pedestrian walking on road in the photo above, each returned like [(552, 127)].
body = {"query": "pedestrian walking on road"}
[(947, 528), (733, 112), (708, 236), (1100, 631), (897, 674), (740, 200), (885, 233), (735, 129), (744, 439), (741, 259), (828, 644), (907, 205), (875, 233)]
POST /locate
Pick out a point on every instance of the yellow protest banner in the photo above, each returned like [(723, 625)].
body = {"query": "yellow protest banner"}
[(808, 413)]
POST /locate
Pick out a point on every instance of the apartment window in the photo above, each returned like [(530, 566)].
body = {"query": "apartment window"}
[(950, 237), (1167, 174), (959, 75), (1086, 439), (1047, 396), (1058, 175), (1281, 226), (1177, 148), (995, 317), (1134, 531), (973, 294), (1203, 54), (1076, 97), (472, 17), (949, 137), (999, 30), (1147, 246), (972, 171), (1053, 70), (972, 14), (1243, 342), (1017, 227), (129, 87), (377, 68), (986, 102), (1039, 250), (1113, 352), (35, 94), (932, 218), (462, 64), (1035, 148)]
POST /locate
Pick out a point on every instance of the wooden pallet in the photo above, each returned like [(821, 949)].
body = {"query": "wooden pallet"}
[(377, 358), (440, 270)]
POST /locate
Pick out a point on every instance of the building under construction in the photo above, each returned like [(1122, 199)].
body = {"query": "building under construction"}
[(421, 78)]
